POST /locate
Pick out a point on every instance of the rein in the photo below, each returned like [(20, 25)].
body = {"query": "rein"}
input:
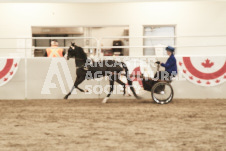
[(79, 59)]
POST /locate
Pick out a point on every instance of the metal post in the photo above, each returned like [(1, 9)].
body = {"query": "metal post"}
[(25, 64)]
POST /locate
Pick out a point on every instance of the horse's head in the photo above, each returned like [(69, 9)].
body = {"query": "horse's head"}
[(71, 51)]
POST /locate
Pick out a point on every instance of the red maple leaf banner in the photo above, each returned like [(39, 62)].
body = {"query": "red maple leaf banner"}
[(207, 63)]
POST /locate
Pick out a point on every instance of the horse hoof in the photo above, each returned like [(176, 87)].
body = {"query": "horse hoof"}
[(65, 98), (138, 97), (105, 100)]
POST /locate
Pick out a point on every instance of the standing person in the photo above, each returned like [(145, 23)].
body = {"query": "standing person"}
[(54, 51)]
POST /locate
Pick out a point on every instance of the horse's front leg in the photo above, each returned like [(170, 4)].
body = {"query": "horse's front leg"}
[(122, 84), (77, 82), (66, 96)]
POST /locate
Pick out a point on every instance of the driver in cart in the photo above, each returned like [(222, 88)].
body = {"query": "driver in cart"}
[(167, 75)]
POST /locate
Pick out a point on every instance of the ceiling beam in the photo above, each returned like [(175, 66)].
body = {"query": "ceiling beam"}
[(91, 1)]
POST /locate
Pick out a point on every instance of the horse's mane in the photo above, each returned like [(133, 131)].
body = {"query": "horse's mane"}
[(80, 53)]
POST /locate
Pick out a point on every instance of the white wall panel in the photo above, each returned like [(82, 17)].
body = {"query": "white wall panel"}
[(190, 18), (38, 70)]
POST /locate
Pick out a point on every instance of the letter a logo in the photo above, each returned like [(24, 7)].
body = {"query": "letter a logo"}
[(54, 71)]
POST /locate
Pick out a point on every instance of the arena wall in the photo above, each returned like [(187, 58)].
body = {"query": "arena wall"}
[(190, 18), (46, 78)]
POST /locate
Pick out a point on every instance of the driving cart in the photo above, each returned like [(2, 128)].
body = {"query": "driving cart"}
[(161, 90)]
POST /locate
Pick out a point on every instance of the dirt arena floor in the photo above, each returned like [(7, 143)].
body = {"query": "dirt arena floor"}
[(73, 125)]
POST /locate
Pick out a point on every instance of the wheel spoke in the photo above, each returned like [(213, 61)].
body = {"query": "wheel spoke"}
[(160, 97)]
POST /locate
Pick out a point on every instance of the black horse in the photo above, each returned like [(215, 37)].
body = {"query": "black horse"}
[(87, 70)]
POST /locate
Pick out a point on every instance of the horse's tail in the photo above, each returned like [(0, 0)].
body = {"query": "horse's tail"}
[(130, 82)]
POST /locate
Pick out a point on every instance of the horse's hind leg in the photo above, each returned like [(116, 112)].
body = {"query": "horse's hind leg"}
[(77, 82), (132, 88), (111, 90)]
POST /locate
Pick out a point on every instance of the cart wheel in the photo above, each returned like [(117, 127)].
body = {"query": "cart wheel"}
[(162, 93)]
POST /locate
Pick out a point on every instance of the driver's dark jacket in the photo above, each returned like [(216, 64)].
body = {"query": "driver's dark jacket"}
[(170, 65)]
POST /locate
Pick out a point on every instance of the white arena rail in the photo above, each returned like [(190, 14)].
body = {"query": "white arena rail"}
[(34, 61), (161, 37), (25, 48)]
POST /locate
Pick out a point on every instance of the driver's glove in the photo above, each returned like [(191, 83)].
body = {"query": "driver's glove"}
[(157, 62)]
